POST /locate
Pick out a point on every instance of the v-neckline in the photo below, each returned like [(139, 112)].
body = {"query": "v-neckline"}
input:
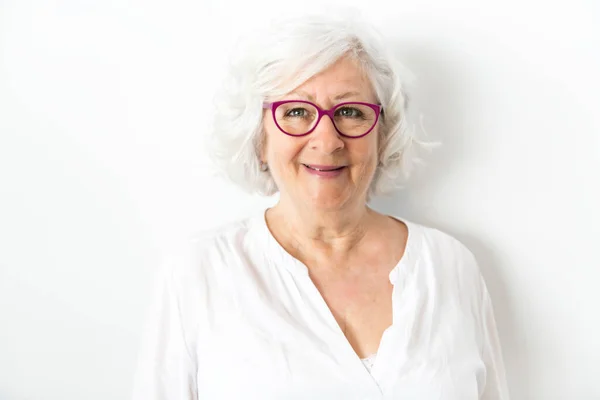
[(385, 347)]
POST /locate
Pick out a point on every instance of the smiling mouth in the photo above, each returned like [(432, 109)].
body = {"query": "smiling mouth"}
[(323, 168)]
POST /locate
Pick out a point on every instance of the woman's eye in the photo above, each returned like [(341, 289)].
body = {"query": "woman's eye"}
[(349, 112), (296, 112)]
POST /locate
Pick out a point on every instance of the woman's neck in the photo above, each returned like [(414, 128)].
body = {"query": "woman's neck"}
[(329, 232)]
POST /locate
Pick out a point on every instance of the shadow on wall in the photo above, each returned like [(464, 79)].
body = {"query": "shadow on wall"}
[(441, 86)]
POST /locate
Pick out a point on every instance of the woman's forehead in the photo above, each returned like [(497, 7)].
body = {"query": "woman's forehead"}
[(334, 89), (344, 94), (343, 80)]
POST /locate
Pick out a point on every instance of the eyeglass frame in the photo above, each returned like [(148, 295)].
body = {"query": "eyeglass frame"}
[(321, 112)]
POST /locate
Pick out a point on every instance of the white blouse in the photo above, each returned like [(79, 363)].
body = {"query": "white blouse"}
[(237, 317)]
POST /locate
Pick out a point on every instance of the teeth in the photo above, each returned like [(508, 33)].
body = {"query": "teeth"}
[(317, 169)]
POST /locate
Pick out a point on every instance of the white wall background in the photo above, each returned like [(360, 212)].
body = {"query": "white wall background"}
[(103, 105)]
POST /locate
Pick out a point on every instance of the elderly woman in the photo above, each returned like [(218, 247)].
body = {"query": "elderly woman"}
[(320, 296)]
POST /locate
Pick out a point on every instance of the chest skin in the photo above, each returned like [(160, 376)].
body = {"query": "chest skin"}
[(361, 304), (358, 291)]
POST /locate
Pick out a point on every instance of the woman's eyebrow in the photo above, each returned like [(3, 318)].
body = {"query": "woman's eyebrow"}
[(346, 95), (301, 93)]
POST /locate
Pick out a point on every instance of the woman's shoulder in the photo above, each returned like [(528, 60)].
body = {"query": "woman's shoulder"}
[(435, 241), (222, 244), (441, 250), (205, 256), (450, 267), (226, 232), (219, 240), (442, 242)]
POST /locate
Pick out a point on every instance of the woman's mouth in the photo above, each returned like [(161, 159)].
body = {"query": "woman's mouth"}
[(325, 171), (323, 167)]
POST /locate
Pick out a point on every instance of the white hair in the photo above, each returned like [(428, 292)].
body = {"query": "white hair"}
[(282, 57)]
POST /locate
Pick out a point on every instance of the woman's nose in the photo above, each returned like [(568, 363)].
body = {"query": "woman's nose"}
[(325, 137)]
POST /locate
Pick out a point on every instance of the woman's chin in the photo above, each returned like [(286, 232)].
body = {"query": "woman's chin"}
[(328, 201)]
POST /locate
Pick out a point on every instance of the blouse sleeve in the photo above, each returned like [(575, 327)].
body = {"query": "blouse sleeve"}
[(165, 370), (496, 387)]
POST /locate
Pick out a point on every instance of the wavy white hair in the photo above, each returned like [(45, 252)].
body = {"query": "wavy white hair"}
[(281, 58)]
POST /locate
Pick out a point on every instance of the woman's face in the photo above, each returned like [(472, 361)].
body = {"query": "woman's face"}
[(289, 158)]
